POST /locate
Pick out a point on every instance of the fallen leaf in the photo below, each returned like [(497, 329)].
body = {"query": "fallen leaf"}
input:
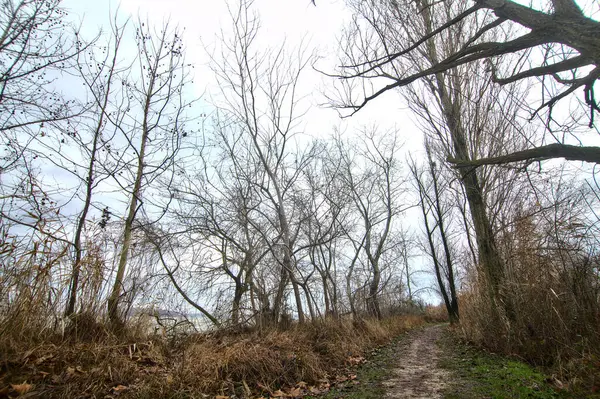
[(314, 390), (21, 389), (278, 394), (354, 360), (295, 392), (301, 384), (119, 388), (74, 371), (221, 397), (324, 387)]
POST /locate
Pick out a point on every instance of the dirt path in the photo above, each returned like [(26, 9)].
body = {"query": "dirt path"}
[(416, 373)]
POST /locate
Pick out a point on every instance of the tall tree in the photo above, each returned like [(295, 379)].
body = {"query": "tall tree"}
[(463, 114), (373, 182), (430, 201), (36, 45), (260, 99), (100, 78), (154, 128)]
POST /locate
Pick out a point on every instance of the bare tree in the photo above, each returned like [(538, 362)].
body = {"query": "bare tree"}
[(36, 41), (216, 204), (430, 201), (158, 113), (38, 47), (100, 77), (260, 98), (326, 208), (566, 37), (464, 115), (372, 179)]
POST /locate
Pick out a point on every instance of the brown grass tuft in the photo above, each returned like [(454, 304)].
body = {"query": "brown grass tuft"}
[(247, 364)]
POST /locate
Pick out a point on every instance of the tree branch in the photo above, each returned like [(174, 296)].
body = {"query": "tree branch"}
[(568, 152), (552, 69)]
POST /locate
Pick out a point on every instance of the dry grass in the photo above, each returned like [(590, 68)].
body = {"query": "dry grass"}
[(556, 320), (436, 314), (248, 364)]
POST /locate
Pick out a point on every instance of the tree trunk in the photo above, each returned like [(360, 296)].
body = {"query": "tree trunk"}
[(453, 308), (373, 298), (236, 304), (72, 294), (489, 257), (114, 298), (434, 257), (298, 298)]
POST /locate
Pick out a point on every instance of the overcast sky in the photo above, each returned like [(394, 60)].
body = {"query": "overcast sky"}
[(294, 21)]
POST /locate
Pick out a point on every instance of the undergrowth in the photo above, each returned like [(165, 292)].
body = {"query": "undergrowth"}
[(303, 359), (367, 383)]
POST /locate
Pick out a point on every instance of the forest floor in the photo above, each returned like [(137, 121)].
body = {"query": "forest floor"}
[(431, 362)]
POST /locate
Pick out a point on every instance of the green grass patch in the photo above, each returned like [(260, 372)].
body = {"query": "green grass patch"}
[(479, 374)]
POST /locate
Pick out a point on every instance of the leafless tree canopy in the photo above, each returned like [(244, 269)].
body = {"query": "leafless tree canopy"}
[(566, 38)]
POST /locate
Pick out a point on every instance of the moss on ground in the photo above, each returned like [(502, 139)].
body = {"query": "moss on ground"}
[(479, 374)]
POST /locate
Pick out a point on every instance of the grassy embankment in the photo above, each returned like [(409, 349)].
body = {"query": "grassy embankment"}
[(307, 359)]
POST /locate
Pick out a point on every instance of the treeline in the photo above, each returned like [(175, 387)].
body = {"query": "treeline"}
[(121, 198)]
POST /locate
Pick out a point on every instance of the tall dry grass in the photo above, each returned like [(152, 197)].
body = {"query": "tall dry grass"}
[(553, 283), (245, 364), (44, 354)]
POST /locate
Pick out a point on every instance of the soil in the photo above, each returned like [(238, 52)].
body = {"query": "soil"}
[(417, 373)]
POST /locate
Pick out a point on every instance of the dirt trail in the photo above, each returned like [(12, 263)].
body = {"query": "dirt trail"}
[(417, 374)]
